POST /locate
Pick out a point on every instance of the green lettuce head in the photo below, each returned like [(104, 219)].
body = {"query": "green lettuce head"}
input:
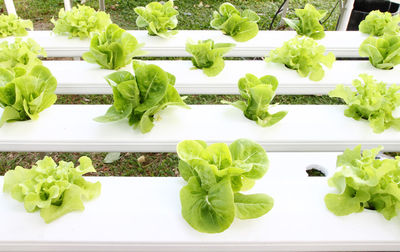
[(12, 25), (53, 189), (24, 97), (80, 22), (304, 55), (371, 101), (216, 174), (362, 181), (208, 56), (383, 52), (308, 23), (158, 18), (112, 49), (241, 26), (379, 23)]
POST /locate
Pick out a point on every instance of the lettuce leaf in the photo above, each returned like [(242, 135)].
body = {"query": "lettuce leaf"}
[(20, 56), (383, 52), (24, 97), (112, 49), (80, 22), (158, 18), (378, 23), (12, 25), (304, 55), (372, 101), (240, 26), (53, 189), (208, 56), (258, 94), (362, 181), (215, 174), (308, 23), (141, 96)]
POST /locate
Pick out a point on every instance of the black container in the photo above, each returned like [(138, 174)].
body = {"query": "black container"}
[(362, 8)]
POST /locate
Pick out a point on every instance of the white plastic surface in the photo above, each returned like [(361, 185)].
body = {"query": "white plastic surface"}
[(80, 77), (143, 214), (342, 44), (305, 128)]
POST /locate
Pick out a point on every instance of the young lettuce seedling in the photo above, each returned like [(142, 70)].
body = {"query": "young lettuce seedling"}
[(379, 23), (372, 101), (139, 97), (308, 23), (362, 181), (383, 52), (80, 22), (258, 94), (12, 25), (304, 55), (158, 18), (208, 56), (241, 26), (216, 174), (53, 189), (112, 49)]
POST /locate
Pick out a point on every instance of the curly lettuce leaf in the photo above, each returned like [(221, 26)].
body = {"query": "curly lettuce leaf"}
[(362, 181), (80, 22), (112, 49), (303, 55), (158, 18), (241, 26), (141, 96), (24, 97), (208, 56), (258, 94), (308, 23), (215, 174), (12, 25), (378, 23), (383, 52), (54, 189), (372, 101), (20, 56)]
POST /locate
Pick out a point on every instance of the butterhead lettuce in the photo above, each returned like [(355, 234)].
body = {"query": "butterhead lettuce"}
[(216, 174), (12, 25), (112, 49), (53, 189), (158, 18), (378, 23)]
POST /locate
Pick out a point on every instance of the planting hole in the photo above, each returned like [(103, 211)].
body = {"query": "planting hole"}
[(315, 170)]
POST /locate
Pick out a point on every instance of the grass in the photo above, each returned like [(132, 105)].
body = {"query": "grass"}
[(193, 15)]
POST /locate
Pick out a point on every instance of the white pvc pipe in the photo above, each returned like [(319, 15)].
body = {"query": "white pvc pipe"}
[(67, 5), (10, 7), (345, 15)]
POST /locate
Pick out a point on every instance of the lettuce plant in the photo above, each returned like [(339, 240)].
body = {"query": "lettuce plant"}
[(304, 55), (378, 23), (216, 174), (112, 49), (362, 181), (12, 25), (240, 26), (383, 52), (140, 97), (372, 101), (158, 18), (53, 189), (258, 93), (308, 23), (80, 22), (20, 56), (208, 56), (24, 97)]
